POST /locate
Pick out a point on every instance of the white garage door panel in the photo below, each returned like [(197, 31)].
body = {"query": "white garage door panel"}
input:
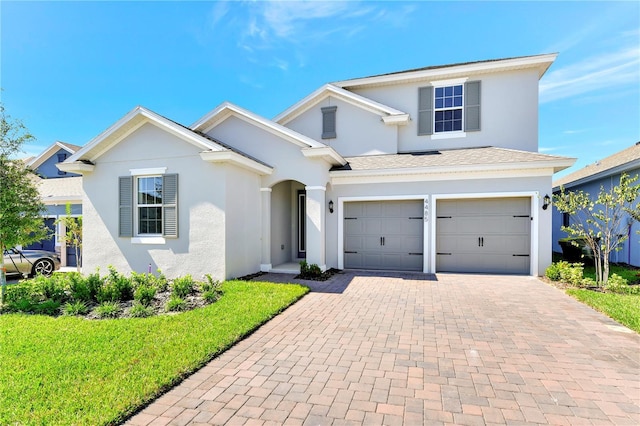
[(384, 235), (491, 235)]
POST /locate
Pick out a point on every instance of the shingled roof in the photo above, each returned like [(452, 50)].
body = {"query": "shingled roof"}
[(449, 158), (612, 164)]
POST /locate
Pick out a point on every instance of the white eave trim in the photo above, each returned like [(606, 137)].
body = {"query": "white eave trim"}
[(542, 62), (47, 153), (61, 199), (529, 165), (396, 120), (79, 167), (227, 109), (326, 153), (236, 159)]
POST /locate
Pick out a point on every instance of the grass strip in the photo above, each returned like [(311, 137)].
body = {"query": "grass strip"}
[(623, 308), (75, 371)]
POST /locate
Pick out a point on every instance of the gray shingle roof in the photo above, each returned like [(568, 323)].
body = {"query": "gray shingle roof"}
[(626, 156), (69, 187), (444, 158)]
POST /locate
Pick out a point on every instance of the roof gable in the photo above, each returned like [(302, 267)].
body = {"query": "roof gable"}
[(36, 162), (620, 162), (352, 98), (538, 62)]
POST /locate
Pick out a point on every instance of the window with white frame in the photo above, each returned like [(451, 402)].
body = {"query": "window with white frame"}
[(149, 205), (448, 107)]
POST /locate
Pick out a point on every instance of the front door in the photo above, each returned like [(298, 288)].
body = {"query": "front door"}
[(302, 224)]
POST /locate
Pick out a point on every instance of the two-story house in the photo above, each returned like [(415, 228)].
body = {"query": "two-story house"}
[(430, 170), (57, 189)]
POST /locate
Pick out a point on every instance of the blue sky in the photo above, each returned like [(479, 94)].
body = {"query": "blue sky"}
[(71, 69)]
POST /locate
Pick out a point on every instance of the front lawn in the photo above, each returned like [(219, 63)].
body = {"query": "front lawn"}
[(624, 308), (69, 370)]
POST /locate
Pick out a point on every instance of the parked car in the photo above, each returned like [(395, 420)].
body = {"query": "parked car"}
[(30, 262)]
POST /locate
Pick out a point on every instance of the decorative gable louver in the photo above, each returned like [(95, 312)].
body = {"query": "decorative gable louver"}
[(329, 122)]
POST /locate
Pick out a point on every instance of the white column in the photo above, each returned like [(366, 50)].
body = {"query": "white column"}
[(316, 215), (62, 230), (265, 259)]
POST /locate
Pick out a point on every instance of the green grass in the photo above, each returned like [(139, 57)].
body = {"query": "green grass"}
[(621, 307), (631, 275), (70, 370)]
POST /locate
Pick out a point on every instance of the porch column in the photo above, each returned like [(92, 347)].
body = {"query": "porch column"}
[(265, 259), (316, 213), (63, 244)]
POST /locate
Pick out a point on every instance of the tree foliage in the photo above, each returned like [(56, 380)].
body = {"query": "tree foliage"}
[(600, 222), (20, 205), (73, 233)]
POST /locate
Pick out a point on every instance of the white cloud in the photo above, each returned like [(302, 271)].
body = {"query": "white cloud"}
[(592, 73)]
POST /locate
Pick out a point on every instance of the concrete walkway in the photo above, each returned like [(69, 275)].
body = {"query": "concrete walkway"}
[(412, 349)]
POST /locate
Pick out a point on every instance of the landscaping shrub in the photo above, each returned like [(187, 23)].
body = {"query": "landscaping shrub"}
[(108, 293), (94, 283), (182, 286), (175, 304), (144, 294), (617, 284), (211, 289), (20, 305), (139, 310), (78, 288), (78, 307), (553, 272), (107, 310), (570, 273), (121, 284), (309, 271), (50, 288), (48, 307)]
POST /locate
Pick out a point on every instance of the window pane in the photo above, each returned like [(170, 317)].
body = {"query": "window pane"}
[(457, 90), (447, 126), (457, 125), (439, 92), (448, 91), (457, 101), (457, 114), (439, 103), (448, 102), (439, 126)]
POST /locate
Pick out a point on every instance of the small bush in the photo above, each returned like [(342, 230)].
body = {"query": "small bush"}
[(75, 308), (139, 310), (211, 296), (108, 293), (211, 289), (144, 294), (94, 283), (24, 290), (553, 272), (78, 289), (309, 271), (617, 284), (175, 304), (20, 305), (50, 288), (587, 282), (314, 270), (182, 286), (304, 267), (107, 310), (48, 307), (121, 284)]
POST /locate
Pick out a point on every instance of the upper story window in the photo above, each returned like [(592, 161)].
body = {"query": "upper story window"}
[(61, 158), (448, 109), (451, 108), (149, 205)]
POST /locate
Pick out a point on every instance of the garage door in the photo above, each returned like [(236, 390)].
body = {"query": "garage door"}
[(484, 235), (384, 235)]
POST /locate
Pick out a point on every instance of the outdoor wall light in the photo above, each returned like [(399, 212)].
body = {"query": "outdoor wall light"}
[(330, 206), (546, 202)]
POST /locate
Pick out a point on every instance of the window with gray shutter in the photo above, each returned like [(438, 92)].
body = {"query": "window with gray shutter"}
[(425, 110), (472, 106), (329, 122), (170, 206), (125, 195)]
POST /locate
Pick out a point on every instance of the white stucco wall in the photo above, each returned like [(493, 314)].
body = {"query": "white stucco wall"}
[(243, 222), (480, 185), (358, 131), (201, 201), (509, 113), (285, 157)]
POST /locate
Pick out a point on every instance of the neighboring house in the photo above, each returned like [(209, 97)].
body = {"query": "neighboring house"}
[(57, 188), (430, 170), (605, 174)]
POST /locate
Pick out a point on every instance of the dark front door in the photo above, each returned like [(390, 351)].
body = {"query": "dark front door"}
[(302, 224), (46, 244)]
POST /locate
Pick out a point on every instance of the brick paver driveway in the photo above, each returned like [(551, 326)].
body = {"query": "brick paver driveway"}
[(410, 349)]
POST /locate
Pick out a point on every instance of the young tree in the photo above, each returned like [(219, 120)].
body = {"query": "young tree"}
[(73, 234), (599, 222), (20, 204)]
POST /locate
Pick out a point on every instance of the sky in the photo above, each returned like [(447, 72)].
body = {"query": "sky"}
[(69, 70)]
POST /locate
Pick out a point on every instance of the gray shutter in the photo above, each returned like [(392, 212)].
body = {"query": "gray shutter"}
[(472, 106), (170, 206), (425, 110), (125, 203), (329, 122)]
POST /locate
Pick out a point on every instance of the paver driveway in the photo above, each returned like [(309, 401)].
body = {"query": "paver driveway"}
[(410, 349)]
